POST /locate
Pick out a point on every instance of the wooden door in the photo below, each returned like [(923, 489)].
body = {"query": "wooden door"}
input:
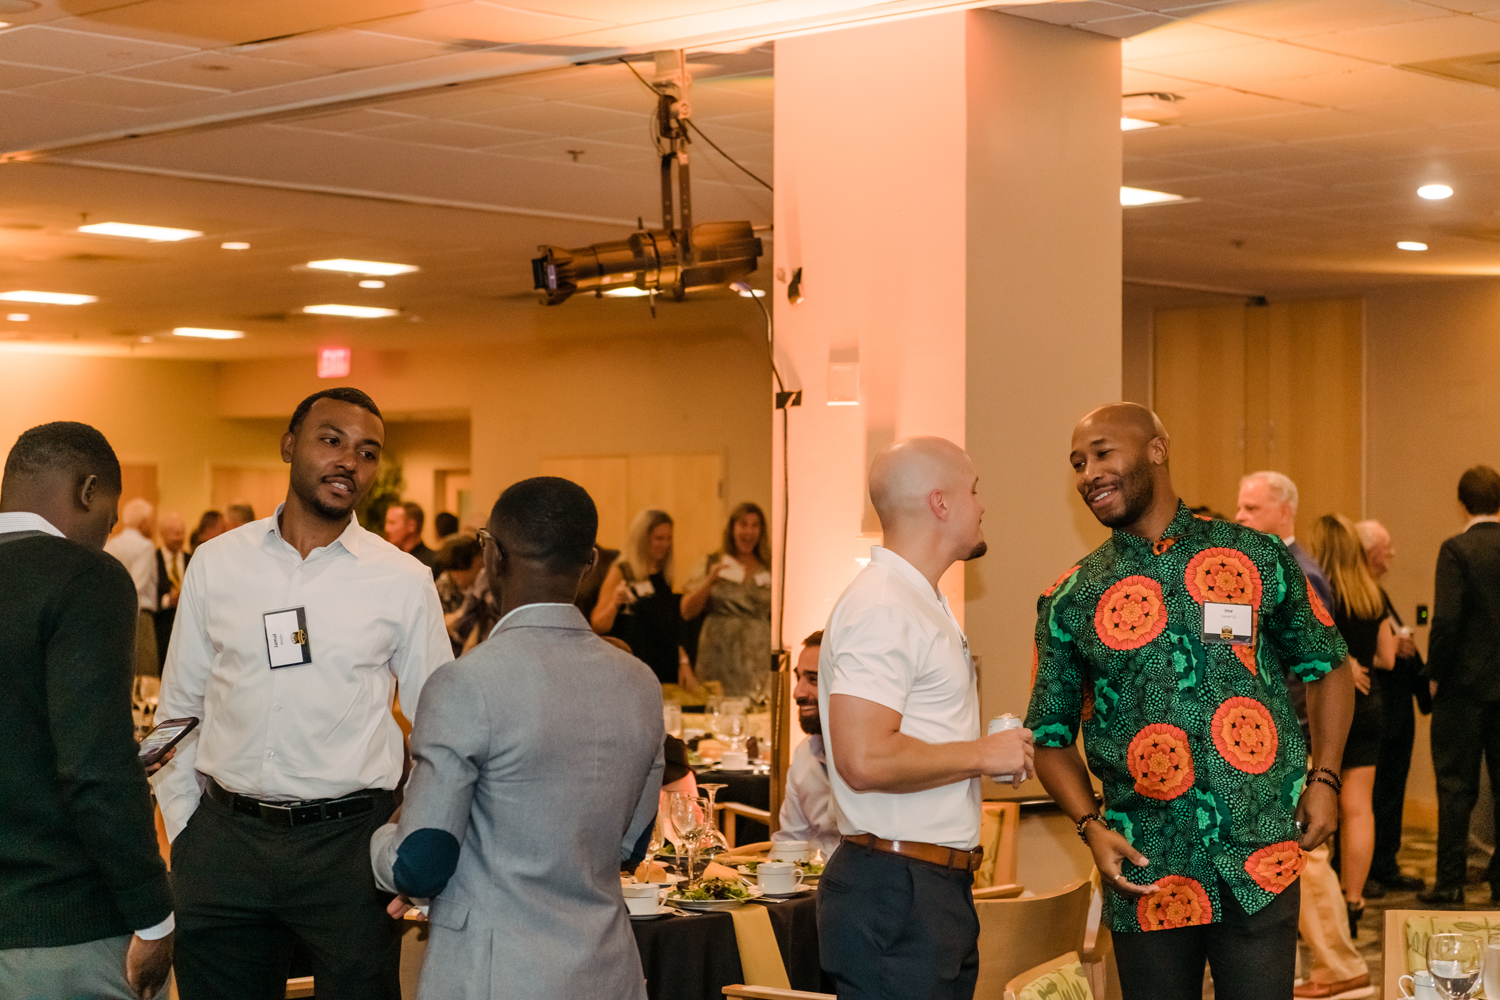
[(137, 480), (262, 487), (1244, 388)]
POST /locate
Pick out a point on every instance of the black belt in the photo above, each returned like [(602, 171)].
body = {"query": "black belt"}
[(292, 813)]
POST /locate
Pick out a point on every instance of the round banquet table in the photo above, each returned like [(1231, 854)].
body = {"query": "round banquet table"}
[(694, 958), (746, 788)]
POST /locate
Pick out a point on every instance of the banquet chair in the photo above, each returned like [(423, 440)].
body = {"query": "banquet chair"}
[(302, 986), (999, 827), (750, 852), (772, 993), (1060, 979), (1406, 933), (1012, 932), (1009, 891), (729, 816)]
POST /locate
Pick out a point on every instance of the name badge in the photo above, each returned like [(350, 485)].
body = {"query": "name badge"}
[(286, 637), (1228, 624), (643, 588)]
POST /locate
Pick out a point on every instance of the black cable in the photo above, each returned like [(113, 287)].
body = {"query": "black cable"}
[(701, 134), (786, 488)]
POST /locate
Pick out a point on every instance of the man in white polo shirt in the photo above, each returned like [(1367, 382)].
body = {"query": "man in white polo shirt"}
[(900, 709)]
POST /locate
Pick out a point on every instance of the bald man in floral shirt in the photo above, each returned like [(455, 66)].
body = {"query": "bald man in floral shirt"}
[(1169, 644)]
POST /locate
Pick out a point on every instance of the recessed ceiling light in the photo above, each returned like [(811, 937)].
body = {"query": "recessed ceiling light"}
[(1411, 245), (157, 234), (1128, 124), (357, 312), (628, 292), (361, 266), (18, 317), (372, 283), (1434, 192), (204, 333), (1131, 197), (234, 245), (49, 298)]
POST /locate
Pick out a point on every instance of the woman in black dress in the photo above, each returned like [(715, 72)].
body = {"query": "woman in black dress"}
[(637, 604), (1360, 614)]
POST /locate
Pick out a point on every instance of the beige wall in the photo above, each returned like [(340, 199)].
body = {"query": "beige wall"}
[(1434, 411)]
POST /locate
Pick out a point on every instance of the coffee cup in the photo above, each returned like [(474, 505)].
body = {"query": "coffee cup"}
[(1418, 986), (734, 760), (789, 850), (778, 878), (640, 897)]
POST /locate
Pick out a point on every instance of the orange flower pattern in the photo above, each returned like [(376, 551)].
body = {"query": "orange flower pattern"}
[(1245, 653), (1245, 735), (1180, 903), (1275, 867), (1196, 745), (1131, 613), (1224, 576), (1318, 610), (1059, 582), (1161, 762)]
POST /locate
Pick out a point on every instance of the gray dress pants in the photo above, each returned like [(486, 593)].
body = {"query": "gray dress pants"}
[(94, 970)]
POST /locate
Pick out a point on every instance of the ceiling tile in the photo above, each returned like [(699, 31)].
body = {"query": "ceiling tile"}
[(1215, 104), (224, 71), (1322, 124), (1418, 41), (563, 118), (1295, 18), (593, 152), (1259, 158), (13, 76), (1170, 141), (353, 120), (1135, 81), (118, 92), (1249, 67), (341, 48), (445, 133), (39, 45), (1179, 38), (757, 121), (217, 24), (1124, 27), (485, 23), (1071, 12), (451, 102)]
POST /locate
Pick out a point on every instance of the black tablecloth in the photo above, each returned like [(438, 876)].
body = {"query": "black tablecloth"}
[(694, 958), (746, 789)]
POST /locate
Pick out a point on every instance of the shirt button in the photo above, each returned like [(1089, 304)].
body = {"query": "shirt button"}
[(270, 753)]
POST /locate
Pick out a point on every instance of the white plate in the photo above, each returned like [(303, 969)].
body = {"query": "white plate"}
[(710, 905), (661, 911), (786, 895)]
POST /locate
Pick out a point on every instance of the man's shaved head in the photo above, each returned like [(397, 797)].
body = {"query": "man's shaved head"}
[(1119, 458), (925, 484)]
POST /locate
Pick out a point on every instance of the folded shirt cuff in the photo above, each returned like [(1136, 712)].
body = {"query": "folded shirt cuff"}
[(159, 931)]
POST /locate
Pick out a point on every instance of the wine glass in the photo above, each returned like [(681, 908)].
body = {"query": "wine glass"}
[(654, 845), (716, 843), (688, 820), (760, 683), (1454, 961)]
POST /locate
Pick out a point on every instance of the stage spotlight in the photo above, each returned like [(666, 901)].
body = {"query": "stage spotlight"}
[(717, 253)]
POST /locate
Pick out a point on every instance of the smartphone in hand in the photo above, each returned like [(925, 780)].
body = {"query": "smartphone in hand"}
[(162, 738)]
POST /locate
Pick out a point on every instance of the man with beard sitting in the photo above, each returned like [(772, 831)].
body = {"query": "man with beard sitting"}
[(807, 812)]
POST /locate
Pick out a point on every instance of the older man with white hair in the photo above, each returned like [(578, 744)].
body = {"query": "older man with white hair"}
[(900, 709), (135, 550)]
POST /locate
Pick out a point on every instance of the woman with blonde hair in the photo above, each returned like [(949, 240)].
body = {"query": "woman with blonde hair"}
[(636, 602), (1359, 612), (735, 588)]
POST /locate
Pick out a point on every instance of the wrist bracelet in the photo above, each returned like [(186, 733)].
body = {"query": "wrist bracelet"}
[(1092, 817), (1333, 779), (1323, 781)]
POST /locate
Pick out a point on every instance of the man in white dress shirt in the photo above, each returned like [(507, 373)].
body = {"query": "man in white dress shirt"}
[(900, 709), (135, 550), (807, 810), (292, 634)]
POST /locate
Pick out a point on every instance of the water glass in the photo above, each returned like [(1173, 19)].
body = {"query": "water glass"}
[(671, 719), (1492, 969), (1454, 961)]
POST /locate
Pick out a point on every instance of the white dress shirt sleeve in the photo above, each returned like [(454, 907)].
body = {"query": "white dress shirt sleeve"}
[(190, 658), (795, 823), (876, 657), (424, 648), (158, 931)]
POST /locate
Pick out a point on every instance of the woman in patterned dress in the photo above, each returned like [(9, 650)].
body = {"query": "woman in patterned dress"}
[(735, 587)]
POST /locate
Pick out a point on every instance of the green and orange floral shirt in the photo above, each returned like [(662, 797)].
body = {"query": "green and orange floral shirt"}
[(1197, 744)]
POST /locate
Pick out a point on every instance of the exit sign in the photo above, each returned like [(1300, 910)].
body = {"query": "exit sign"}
[(333, 362)]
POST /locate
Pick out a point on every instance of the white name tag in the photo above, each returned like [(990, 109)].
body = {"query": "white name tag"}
[(732, 571), (1228, 624), (286, 637), (643, 588)]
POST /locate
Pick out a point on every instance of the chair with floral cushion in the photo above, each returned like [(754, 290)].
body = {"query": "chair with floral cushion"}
[(1406, 933), (1062, 978), (1013, 932)]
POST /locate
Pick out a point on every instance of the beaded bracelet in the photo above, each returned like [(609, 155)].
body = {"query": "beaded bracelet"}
[(1333, 779), (1092, 817), (1322, 780)]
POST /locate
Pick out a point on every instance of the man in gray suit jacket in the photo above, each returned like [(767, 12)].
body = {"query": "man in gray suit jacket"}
[(537, 768)]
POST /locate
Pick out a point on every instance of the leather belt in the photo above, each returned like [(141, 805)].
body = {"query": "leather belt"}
[(932, 854), (292, 813)]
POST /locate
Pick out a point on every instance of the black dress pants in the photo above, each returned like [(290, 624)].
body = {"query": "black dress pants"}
[(249, 891), (1464, 731), (1253, 956), (1398, 732), (890, 928)]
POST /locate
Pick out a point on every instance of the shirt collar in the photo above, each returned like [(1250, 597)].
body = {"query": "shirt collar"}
[(1482, 519), (815, 744), (1184, 522), (512, 612), (882, 556), (25, 520), (352, 538)]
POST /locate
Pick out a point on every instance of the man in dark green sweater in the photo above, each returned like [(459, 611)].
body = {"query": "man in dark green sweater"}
[(85, 905)]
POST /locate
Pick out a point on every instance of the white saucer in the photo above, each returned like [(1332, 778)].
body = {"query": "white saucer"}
[(661, 911), (786, 895)]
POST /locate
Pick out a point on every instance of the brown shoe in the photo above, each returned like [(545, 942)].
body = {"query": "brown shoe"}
[(1347, 989)]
